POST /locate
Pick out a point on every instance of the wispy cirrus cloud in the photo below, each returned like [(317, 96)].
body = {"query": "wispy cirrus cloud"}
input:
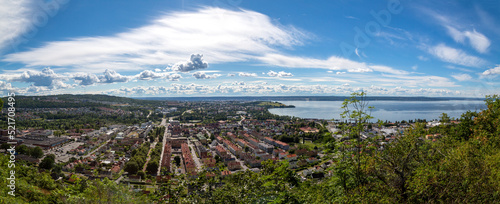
[(221, 35), (15, 19), (455, 56), (477, 40), (462, 77), (460, 31)]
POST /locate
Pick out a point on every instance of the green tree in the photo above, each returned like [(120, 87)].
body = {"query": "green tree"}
[(396, 165), (47, 162), (177, 160), (131, 167), (444, 118), (353, 160), (152, 167), (36, 152), (5, 146)]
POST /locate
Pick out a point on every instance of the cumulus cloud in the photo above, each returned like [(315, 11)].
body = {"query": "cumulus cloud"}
[(246, 74), (148, 75), (46, 78), (111, 76), (43, 78), (196, 62), (173, 77), (4, 86), (455, 56), (203, 75), (462, 77), (241, 88), (86, 79), (279, 74)]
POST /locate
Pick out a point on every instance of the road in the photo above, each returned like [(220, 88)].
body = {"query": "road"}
[(242, 119), (165, 136), (195, 158), (151, 147), (119, 179)]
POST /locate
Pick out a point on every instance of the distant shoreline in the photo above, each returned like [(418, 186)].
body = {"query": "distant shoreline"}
[(304, 98)]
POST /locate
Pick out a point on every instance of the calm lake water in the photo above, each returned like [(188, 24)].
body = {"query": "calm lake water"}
[(384, 110)]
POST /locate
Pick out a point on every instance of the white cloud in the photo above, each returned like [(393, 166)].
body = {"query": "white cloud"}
[(279, 74), (4, 86), (173, 77), (462, 77), (246, 74), (386, 69), (360, 70), (15, 20), (332, 63), (493, 71), (221, 35), (43, 78), (477, 40), (241, 88), (422, 58), (149, 75), (196, 62), (111, 76), (86, 79), (46, 78), (339, 73), (455, 56), (203, 75)]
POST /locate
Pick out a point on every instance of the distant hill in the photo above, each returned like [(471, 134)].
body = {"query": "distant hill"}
[(304, 98), (80, 100)]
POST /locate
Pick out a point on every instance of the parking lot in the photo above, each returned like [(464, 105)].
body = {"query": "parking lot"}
[(60, 152)]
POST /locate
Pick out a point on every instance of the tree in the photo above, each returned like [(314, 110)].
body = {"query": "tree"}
[(131, 167), (5, 146), (36, 152), (464, 129), (444, 118), (47, 162), (22, 149), (397, 164), (350, 168), (152, 167), (177, 160), (141, 174)]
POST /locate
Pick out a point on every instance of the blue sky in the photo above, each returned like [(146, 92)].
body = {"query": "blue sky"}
[(250, 48)]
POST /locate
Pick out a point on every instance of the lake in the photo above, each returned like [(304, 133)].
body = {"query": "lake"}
[(384, 110)]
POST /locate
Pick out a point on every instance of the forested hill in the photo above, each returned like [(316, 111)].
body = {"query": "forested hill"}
[(74, 101)]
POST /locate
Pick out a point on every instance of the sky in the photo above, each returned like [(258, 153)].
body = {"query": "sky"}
[(154, 48)]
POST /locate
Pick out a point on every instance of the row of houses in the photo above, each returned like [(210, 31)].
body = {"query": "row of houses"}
[(189, 164)]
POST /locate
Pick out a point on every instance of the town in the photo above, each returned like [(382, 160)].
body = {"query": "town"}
[(218, 138)]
